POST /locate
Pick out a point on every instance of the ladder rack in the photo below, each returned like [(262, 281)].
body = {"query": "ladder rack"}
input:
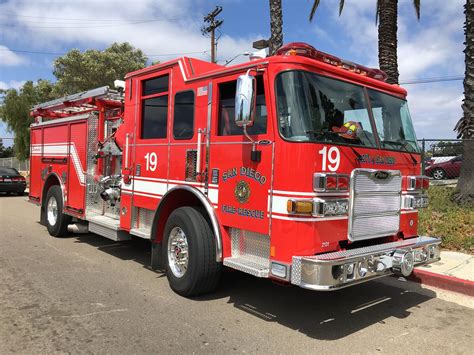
[(78, 103)]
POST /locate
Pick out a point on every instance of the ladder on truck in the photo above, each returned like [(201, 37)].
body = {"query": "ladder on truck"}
[(78, 103)]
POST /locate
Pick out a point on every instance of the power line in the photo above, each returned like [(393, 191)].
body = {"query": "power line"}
[(432, 80), (148, 55), (10, 15), (85, 26)]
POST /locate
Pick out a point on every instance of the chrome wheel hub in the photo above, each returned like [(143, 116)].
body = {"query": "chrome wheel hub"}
[(178, 255), (438, 174), (52, 211)]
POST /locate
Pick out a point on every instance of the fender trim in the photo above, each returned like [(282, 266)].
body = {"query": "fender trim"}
[(209, 209)]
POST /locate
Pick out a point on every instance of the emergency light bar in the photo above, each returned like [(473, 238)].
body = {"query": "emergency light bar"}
[(306, 50)]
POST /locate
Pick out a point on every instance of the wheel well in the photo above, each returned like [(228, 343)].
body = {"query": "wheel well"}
[(51, 180), (181, 197)]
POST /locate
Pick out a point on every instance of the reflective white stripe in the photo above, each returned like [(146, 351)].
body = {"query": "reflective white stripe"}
[(61, 150), (154, 187), (293, 193), (214, 196), (308, 219), (279, 204)]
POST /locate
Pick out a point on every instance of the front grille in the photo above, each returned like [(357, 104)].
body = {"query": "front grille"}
[(375, 201)]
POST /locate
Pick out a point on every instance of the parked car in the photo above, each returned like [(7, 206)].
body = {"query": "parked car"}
[(445, 169), (12, 181)]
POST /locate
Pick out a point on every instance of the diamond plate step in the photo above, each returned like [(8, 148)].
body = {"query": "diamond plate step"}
[(244, 264)]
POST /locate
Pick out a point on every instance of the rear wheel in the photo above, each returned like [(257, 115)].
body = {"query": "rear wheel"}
[(438, 174), (189, 253), (56, 221)]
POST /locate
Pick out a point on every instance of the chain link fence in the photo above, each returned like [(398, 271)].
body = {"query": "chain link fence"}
[(442, 159), (22, 166)]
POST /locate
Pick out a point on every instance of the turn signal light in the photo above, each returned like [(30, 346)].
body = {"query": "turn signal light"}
[(323, 182), (415, 183), (300, 206)]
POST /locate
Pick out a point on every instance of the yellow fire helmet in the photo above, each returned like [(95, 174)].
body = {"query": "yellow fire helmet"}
[(349, 130)]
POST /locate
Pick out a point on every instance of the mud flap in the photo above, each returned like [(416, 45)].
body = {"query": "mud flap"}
[(157, 263)]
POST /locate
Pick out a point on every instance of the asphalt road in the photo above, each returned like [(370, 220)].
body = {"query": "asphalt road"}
[(87, 294)]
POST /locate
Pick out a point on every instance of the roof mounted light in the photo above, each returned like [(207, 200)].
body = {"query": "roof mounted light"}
[(306, 50)]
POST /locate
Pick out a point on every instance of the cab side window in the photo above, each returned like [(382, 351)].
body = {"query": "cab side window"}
[(183, 124), (227, 126), (154, 107)]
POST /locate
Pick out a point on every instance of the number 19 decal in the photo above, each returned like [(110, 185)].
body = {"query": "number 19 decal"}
[(331, 155), (151, 161)]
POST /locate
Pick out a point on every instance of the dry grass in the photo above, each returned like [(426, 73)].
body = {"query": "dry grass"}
[(444, 218)]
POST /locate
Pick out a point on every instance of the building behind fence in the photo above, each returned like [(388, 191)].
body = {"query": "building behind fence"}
[(15, 163)]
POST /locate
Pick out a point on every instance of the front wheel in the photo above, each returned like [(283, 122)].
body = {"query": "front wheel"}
[(189, 253), (56, 221), (438, 174)]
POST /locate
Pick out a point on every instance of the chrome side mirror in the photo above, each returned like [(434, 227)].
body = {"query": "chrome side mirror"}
[(245, 100)]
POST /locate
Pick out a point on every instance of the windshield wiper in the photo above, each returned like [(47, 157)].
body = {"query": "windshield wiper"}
[(359, 156)]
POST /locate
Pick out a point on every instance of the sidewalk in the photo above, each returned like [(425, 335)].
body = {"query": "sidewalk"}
[(454, 272)]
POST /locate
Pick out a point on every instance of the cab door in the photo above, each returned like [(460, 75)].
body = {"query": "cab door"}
[(243, 183), (150, 175)]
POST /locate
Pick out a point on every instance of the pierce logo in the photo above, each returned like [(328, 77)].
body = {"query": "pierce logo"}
[(382, 175)]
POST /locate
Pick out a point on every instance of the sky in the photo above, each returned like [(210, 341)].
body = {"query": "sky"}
[(35, 32)]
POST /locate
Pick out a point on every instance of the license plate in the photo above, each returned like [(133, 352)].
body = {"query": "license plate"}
[(7, 180)]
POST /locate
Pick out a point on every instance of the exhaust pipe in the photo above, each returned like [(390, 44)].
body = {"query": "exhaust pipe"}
[(78, 228)]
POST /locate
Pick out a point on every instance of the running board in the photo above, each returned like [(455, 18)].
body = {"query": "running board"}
[(244, 264), (141, 232), (107, 227)]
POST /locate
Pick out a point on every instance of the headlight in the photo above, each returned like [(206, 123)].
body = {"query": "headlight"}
[(336, 207)]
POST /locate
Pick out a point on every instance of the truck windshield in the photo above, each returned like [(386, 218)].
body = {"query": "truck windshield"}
[(313, 108)]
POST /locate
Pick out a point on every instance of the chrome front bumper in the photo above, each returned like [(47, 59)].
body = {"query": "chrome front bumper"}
[(336, 270)]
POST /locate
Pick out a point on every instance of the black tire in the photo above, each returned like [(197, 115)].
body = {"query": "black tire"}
[(203, 272), (438, 174), (59, 228)]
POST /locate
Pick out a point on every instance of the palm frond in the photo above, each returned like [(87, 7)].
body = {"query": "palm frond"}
[(377, 11), (313, 9), (417, 4), (341, 6)]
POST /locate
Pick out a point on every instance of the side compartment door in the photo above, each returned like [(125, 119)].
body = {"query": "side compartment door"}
[(77, 163), (243, 184), (36, 153)]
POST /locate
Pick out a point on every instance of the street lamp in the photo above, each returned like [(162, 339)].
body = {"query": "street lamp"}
[(238, 55)]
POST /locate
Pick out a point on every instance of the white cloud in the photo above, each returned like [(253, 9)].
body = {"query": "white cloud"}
[(12, 84), (435, 108), (9, 58), (155, 26)]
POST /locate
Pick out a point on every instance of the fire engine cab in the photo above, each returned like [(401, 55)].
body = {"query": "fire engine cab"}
[(300, 167)]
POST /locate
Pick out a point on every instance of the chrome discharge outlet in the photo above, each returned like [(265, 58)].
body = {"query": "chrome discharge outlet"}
[(403, 262)]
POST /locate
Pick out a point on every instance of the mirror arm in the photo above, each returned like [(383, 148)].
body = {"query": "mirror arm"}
[(255, 155)]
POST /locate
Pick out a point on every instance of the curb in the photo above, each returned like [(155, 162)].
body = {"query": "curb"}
[(442, 281)]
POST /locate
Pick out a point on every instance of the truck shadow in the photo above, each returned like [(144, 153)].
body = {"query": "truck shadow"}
[(319, 315)]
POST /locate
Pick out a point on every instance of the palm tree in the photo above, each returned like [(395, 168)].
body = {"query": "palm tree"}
[(276, 26), (465, 126), (386, 16)]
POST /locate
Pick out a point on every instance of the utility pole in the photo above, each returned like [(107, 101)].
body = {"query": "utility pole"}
[(213, 24)]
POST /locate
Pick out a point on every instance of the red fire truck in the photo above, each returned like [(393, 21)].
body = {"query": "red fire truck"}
[(299, 167)]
